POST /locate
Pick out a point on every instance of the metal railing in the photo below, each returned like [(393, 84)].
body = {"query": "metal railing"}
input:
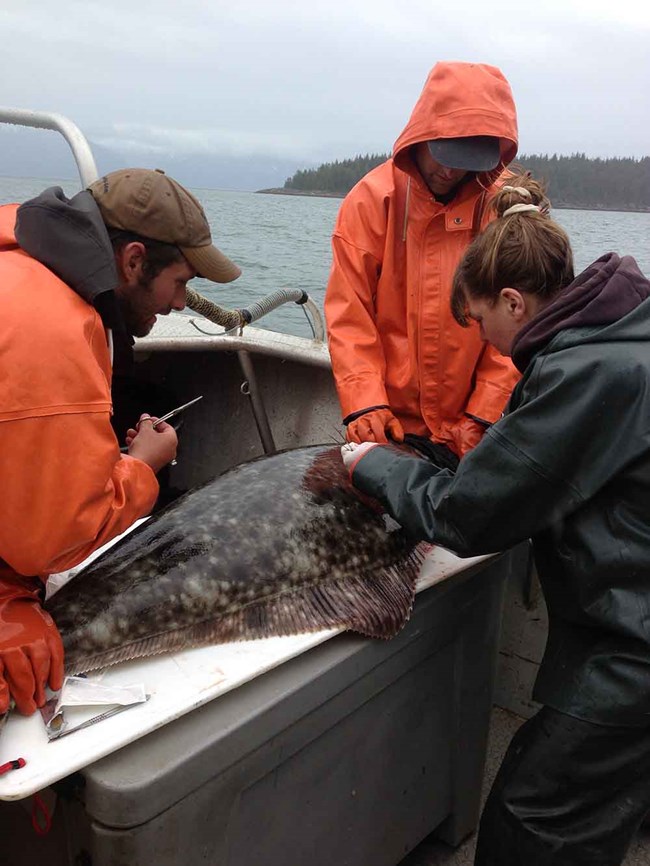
[(47, 120)]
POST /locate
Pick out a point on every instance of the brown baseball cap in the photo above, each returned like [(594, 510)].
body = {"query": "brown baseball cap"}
[(149, 203)]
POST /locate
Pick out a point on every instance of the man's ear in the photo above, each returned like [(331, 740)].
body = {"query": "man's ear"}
[(516, 303), (130, 261)]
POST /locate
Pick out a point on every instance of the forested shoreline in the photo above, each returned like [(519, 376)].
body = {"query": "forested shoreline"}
[(576, 181)]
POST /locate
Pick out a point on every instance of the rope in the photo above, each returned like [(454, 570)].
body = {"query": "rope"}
[(228, 319)]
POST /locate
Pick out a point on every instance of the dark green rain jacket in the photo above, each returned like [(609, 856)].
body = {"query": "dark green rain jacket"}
[(568, 466)]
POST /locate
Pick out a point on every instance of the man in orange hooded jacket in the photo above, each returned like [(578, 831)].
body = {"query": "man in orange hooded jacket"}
[(78, 279), (401, 362)]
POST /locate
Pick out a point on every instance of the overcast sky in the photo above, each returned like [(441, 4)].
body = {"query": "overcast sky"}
[(319, 80)]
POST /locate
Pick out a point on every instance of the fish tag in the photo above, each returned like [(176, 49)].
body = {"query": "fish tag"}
[(70, 709), (83, 691), (390, 523)]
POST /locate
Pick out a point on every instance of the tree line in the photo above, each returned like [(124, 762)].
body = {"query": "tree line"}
[(619, 183)]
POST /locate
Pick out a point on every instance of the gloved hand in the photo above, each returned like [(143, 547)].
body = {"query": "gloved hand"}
[(31, 651), (352, 452), (375, 426), (467, 434)]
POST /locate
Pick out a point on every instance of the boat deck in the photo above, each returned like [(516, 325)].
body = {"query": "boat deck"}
[(433, 852)]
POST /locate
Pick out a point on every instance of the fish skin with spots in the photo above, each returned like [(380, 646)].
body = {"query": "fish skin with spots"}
[(280, 545)]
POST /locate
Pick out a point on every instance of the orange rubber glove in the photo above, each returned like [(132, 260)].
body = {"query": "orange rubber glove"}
[(31, 652), (375, 426)]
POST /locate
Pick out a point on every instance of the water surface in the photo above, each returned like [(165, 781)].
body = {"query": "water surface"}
[(284, 241)]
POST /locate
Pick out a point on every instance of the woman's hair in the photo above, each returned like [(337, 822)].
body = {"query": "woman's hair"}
[(522, 249), (159, 255)]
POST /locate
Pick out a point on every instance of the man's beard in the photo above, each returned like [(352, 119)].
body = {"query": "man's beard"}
[(135, 320), (445, 198)]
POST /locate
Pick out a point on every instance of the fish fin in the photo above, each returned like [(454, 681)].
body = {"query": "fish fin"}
[(377, 606), (150, 646)]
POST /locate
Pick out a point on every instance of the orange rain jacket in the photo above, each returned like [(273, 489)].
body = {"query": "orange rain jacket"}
[(66, 489), (392, 337)]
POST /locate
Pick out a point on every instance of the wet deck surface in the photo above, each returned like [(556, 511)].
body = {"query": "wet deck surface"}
[(432, 852)]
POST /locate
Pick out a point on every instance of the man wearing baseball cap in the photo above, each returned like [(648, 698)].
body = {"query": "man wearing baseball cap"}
[(79, 278), (403, 366)]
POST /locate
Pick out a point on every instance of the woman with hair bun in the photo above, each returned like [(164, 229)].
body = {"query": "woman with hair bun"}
[(568, 466)]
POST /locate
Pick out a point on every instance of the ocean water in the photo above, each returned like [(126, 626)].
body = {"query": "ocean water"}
[(284, 242)]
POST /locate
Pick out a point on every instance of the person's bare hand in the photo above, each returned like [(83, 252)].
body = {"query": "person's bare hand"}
[(154, 446)]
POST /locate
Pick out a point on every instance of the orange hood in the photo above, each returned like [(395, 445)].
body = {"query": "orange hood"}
[(461, 99)]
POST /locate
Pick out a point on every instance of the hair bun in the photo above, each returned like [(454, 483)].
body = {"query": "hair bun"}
[(522, 194), (520, 189)]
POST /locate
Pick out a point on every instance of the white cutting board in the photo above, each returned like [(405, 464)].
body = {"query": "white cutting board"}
[(177, 684)]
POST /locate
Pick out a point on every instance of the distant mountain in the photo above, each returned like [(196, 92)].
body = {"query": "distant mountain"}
[(42, 153)]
